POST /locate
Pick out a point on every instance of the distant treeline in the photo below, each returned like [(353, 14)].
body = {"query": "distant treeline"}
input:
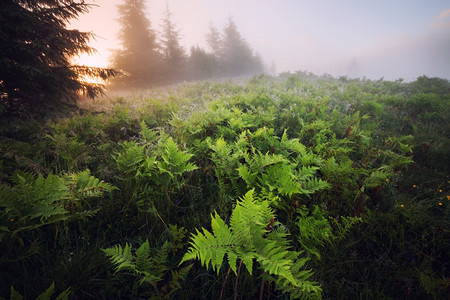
[(36, 47), (149, 58)]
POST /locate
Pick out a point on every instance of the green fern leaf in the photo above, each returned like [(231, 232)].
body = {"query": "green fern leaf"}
[(48, 293), (143, 261), (121, 257), (224, 239), (15, 295), (248, 239), (273, 260), (178, 276)]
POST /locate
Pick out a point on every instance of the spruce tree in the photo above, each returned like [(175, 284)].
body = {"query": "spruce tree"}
[(139, 57), (201, 64), (35, 53), (214, 40), (236, 56), (174, 57)]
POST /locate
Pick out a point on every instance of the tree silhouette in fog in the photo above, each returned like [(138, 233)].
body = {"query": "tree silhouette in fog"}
[(148, 59), (201, 64), (139, 56), (174, 57), (230, 55), (35, 52), (236, 55), (214, 40)]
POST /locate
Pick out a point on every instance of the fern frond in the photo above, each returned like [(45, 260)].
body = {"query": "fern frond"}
[(313, 185), (248, 239), (121, 257), (314, 229), (148, 134), (273, 260), (344, 226), (220, 148), (131, 156), (83, 185), (173, 163), (281, 178), (46, 295), (224, 238), (178, 276), (292, 145), (143, 261), (305, 289), (247, 176)]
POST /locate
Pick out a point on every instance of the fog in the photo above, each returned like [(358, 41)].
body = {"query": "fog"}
[(375, 39)]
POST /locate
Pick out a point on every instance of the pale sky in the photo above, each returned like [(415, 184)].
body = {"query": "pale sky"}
[(373, 38)]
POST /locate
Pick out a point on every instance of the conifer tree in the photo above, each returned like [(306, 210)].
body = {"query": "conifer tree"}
[(236, 56), (174, 57), (139, 56), (214, 40), (201, 64), (35, 52)]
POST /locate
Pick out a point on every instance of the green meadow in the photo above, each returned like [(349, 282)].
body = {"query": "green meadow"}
[(290, 187)]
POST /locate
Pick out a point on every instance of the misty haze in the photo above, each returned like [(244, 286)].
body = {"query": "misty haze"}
[(212, 149), (401, 39)]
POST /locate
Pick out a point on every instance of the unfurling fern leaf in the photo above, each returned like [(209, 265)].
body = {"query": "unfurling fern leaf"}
[(248, 238)]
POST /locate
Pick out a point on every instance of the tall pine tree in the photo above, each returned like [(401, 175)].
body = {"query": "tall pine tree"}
[(201, 64), (174, 57), (236, 55), (35, 53), (214, 40), (139, 56)]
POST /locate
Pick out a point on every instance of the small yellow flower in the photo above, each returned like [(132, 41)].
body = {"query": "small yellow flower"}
[(440, 203), (387, 179), (448, 197), (401, 205), (414, 186), (440, 191)]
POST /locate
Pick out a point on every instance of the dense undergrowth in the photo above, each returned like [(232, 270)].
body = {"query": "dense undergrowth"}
[(291, 187)]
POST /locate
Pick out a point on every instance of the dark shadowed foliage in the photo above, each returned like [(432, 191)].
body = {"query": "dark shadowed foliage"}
[(35, 52)]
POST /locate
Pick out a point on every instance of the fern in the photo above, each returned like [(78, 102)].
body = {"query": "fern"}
[(376, 178), (178, 276), (314, 229), (306, 289), (436, 287), (281, 177), (174, 163), (248, 239), (147, 134), (343, 227), (130, 158), (121, 257), (46, 295), (148, 268), (141, 263), (34, 202), (83, 186)]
